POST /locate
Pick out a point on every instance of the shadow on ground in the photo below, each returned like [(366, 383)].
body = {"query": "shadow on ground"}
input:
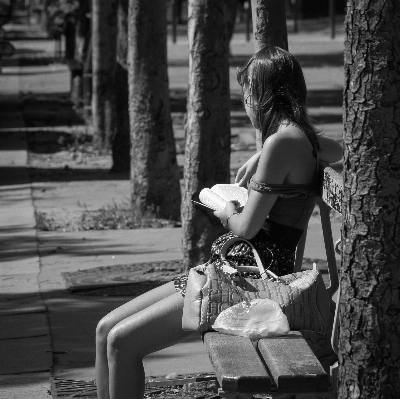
[(73, 342)]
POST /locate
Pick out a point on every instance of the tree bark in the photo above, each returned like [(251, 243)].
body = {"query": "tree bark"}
[(121, 142), (369, 350), (155, 185), (104, 16), (269, 28), (269, 23), (207, 156)]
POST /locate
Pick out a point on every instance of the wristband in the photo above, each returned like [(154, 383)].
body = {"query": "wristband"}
[(227, 219)]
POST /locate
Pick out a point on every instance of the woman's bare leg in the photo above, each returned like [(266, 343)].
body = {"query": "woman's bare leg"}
[(155, 327), (113, 318)]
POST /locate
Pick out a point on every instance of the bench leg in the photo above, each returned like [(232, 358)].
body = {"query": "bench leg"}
[(334, 375)]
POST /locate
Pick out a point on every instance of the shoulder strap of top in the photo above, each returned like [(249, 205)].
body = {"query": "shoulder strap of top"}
[(286, 190)]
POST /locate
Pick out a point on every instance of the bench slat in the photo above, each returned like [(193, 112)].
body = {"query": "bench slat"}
[(293, 364), (236, 364)]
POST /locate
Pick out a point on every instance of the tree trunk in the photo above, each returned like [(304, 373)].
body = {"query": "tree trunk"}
[(269, 28), (207, 155), (155, 185), (121, 143), (104, 16), (82, 39), (231, 18), (83, 31), (44, 18), (269, 23), (369, 351), (69, 34)]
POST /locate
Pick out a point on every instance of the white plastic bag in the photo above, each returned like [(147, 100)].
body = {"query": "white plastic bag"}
[(256, 319)]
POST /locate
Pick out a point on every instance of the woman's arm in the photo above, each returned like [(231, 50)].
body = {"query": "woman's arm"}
[(331, 150), (246, 172), (273, 166)]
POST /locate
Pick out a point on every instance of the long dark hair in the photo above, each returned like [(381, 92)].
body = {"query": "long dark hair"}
[(275, 82)]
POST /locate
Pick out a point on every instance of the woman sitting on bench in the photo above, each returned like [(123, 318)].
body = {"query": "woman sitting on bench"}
[(283, 181)]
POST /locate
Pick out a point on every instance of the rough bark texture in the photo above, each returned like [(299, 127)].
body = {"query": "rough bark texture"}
[(104, 17), (269, 28), (269, 23), (121, 142), (369, 345), (208, 127), (154, 171)]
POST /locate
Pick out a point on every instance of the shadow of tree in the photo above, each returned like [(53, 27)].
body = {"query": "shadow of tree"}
[(50, 110), (72, 321)]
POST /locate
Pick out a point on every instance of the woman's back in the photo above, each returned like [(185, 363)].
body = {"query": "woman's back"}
[(291, 211)]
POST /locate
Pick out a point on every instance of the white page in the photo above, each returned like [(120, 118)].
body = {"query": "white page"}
[(213, 200), (231, 192)]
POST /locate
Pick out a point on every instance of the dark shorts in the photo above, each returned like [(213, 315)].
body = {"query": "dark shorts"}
[(240, 254)]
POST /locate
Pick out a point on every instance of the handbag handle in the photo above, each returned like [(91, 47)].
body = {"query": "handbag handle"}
[(265, 273)]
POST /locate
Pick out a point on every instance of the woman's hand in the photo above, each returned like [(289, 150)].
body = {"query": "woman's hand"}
[(230, 208), (246, 171)]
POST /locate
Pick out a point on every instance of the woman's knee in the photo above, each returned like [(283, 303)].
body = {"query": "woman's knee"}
[(104, 326), (119, 343)]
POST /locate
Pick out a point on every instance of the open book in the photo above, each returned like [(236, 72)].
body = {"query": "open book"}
[(217, 196)]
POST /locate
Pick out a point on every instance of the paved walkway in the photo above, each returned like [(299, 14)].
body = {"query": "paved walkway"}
[(45, 332)]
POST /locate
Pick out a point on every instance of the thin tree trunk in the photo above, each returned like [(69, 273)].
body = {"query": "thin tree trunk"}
[(269, 28), (121, 142), (82, 39), (69, 33), (155, 185), (269, 23), (369, 350), (44, 19), (207, 154), (104, 16), (83, 31), (231, 21)]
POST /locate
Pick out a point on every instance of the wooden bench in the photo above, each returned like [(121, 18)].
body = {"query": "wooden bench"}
[(285, 364)]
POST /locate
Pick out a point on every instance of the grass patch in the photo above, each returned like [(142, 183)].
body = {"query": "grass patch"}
[(44, 222), (111, 217), (119, 216)]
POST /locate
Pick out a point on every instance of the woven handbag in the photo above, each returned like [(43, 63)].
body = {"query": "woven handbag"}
[(215, 286)]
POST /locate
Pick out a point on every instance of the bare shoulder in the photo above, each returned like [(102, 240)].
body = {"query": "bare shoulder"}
[(289, 140), (297, 144), (286, 157), (331, 150)]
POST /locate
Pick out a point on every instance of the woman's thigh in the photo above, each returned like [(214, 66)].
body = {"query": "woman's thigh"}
[(137, 304), (151, 329)]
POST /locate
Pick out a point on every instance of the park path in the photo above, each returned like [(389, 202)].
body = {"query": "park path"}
[(46, 332)]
